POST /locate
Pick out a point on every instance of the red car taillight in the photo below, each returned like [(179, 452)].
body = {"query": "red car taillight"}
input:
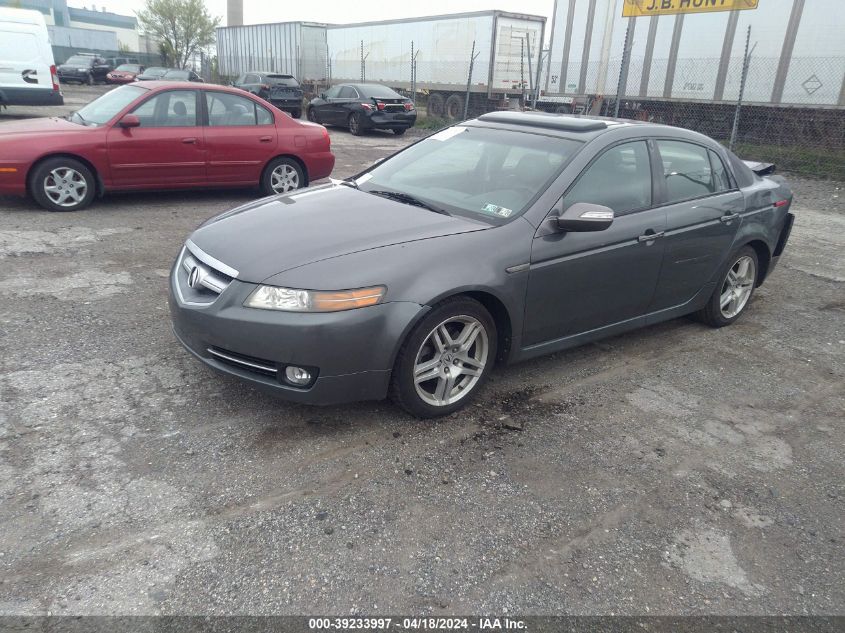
[(54, 76)]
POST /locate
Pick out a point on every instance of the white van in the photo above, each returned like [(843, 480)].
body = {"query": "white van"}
[(27, 71)]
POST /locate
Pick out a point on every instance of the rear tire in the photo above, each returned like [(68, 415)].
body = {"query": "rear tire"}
[(436, 372), (296, 113), (733, 293), (454, 108), (435, 106), (62, 184), (355, 124), (283, 175), (312, 115)]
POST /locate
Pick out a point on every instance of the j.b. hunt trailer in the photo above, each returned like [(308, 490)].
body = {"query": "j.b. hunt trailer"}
[(505, 49), (693, 50)]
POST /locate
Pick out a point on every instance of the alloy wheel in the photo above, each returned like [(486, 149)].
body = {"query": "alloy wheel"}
[(284, 178), (65, 187), (737, 287), (354, 125), (451, 360)]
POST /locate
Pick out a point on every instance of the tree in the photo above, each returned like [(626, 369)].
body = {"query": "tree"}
[(182, 27)]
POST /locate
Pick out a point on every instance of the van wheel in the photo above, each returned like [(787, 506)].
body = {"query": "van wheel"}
[(62, 184)]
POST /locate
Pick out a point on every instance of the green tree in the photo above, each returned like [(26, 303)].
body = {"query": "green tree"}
[(182, 27)]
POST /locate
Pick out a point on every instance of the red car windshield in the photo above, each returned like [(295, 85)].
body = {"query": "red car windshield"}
[(129, 68), (106, 107)]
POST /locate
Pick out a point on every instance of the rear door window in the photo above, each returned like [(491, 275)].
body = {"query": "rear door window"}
[(720, 173), (686, 170), (619, 179), (228, 110), (348, 92)]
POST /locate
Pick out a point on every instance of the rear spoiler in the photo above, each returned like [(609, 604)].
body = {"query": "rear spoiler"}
[(761, 169)]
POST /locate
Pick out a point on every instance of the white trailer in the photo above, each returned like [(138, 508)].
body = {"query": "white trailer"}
[(798, 60), (507, 48), (293, 48)]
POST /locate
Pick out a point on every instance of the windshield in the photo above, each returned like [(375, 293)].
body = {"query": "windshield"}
[(106, 107), (129, 68), (282, 80), (176, 74), (379, 92), (79, 60), (475, 172)]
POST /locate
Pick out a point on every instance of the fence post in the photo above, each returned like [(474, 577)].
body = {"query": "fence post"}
[(413, 79), (530, 73), (745, 61), (472, 57), (623, 68)]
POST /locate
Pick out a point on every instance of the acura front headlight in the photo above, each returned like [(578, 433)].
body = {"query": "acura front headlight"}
[(293, 300)]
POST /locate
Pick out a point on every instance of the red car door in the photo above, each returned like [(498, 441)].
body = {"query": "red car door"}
[(166, 150), (240, 138)]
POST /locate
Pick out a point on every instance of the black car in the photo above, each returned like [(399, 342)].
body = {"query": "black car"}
[(180, 75), (153, 73), (283, 91), (362, 107), (84, 68), (497, 240)]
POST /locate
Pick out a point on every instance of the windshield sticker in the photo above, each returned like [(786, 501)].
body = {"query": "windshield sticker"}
[(449, 132), (495, 209)]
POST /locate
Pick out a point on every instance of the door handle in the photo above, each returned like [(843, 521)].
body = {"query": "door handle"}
[(265, 139), (649, 237), (189, 141), (729, 217)]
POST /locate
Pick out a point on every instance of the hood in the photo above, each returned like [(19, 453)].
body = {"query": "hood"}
[(276, 234), (44, 125)]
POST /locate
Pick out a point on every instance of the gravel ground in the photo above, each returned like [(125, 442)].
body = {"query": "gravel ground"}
[(674, 470)]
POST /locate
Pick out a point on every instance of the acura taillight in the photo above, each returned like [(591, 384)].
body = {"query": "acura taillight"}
[(54, 76), (409, 106), (367, 107)]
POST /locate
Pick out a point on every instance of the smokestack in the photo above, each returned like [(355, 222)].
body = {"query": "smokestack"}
[(234, 12)]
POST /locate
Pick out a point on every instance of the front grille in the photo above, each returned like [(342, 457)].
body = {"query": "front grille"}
[(247, 363), (200, 278)]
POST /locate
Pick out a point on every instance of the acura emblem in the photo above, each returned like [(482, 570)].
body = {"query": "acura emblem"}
[(195, 277)]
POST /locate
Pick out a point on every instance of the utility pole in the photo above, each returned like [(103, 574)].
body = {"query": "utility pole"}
[(623, 69)]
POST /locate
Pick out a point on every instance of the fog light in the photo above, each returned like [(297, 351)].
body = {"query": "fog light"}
[(297, 375)]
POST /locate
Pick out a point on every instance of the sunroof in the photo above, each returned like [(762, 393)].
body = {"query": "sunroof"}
[(543, 119)]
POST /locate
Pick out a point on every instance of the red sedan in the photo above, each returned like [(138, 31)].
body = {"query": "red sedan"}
[(161, 135), (124, 74)]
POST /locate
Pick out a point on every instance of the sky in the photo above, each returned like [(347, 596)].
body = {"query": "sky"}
[(341, 11)]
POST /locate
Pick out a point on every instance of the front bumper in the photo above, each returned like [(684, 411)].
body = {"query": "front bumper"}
[(391, 120), (72, 75), (352, 351), (286, 105), (119, 80)]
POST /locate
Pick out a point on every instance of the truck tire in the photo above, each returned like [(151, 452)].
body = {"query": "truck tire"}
[(454, 109), (435, 107)]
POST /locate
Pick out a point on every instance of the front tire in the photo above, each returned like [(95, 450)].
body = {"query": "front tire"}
[(62, 184), (445, 360), (733, 293), (281, 176)]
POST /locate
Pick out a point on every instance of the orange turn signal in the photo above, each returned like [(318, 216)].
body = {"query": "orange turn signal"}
[(346, 299), (8, 170)]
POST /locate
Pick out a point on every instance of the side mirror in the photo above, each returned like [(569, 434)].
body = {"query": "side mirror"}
[(585, 216), (129, 120), (322, 95)]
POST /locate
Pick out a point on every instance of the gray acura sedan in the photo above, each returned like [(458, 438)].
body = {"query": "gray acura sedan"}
[(500, 239)]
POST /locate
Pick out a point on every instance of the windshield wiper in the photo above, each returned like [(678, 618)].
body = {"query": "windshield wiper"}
[(409, 199), (81, 118)]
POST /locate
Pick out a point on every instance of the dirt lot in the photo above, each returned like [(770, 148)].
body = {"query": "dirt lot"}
[(675, 470)]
